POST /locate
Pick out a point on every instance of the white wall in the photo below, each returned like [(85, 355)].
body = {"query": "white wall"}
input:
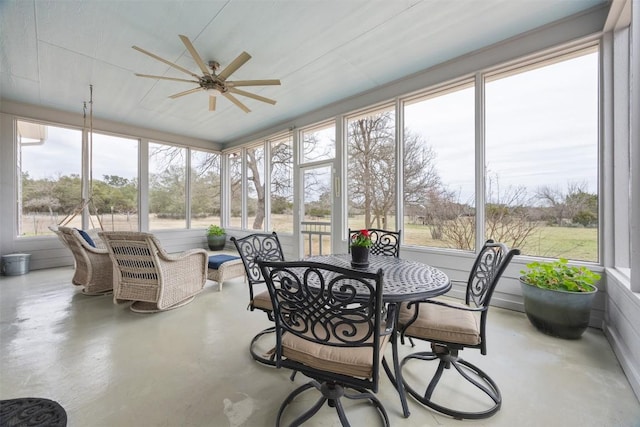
[(622, 313)]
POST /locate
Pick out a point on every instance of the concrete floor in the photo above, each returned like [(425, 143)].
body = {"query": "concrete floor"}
[(108, 366)]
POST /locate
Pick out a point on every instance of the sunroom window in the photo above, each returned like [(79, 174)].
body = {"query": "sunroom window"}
[(542, 157), (371, 171), (439, 168), (49, 184)]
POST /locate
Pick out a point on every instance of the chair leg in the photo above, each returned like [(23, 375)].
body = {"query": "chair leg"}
[(468, 371), (364, 394), (341, 415), (490, 388), (331, 394), (308, 414), (264, 359)]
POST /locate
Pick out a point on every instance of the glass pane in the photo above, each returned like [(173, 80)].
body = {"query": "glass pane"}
[(371, 172), (282, 186), (542, 159), (167, 183), (255, 188), (316, 219), (235, 193), (115, 182), (319, 144), (205, 189), (439, 189), (49, 164)]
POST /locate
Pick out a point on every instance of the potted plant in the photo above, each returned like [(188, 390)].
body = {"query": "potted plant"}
[(558, 297), (360, 244), (216, 237)]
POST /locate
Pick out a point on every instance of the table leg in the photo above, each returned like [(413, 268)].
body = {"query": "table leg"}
[(396, 376)]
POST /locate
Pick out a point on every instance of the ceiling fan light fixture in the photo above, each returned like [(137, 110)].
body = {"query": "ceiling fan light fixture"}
[(216, 87)]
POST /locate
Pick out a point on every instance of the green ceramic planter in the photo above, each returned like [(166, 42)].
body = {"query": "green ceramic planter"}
[(217, 243), (558, 313)]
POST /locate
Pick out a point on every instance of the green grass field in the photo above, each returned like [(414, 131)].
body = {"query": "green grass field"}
[(575, 243), (568, 242)]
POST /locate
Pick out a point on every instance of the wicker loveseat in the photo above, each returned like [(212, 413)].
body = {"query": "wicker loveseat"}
[(149, 276)]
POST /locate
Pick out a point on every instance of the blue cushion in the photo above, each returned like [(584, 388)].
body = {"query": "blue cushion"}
[(215, 261), (86, 237)]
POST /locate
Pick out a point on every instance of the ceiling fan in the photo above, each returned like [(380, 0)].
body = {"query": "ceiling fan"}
[(210, 81)]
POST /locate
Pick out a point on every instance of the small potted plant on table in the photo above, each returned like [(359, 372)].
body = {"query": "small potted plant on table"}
[(359, 245), (558, 297), (216, 237)]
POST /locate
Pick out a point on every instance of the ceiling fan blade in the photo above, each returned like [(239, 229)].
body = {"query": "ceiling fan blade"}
[(235, 101), (186, 92), (252, 95), (235, 64), (166, 78), (271, 82), (194, 54), (171, 64), (212, 103)]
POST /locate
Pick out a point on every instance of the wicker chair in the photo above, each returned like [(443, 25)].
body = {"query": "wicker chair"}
[(332, 327), (93, 266), (148, 275), (451, 327), (384, 242)]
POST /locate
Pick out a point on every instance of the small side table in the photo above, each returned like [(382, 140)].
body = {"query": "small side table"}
[(224, 267)]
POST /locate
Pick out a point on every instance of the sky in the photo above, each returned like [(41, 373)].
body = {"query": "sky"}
[(541, 129)]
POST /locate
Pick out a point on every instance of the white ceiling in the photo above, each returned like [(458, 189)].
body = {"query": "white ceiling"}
[(321, 50)]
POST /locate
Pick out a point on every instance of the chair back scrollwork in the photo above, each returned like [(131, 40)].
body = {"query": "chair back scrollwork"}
[(485, 273), (384, 242), (327, 305), (265, 246)]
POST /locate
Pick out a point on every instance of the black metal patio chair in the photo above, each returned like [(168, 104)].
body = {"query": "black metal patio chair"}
[(332, 327), (265, 246), (451, 327)]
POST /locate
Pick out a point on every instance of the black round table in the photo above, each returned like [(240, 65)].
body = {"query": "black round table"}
[(404, 280)]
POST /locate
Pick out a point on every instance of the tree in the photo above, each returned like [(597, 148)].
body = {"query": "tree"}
[(454, 222), (166, 192), (566, 205), (372, 168), (255, 163), (506, 212), (281, 170)]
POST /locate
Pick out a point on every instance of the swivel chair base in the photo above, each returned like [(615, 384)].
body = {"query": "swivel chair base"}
[(268, 358), (449, 358), (331, 393)]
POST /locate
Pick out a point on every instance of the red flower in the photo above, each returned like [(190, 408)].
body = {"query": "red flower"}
[(361, 238)]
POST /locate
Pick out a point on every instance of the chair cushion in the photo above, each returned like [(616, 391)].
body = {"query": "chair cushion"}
[(262, 301), (215, 261), (445, 324), (86, 237), (352, 361)]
